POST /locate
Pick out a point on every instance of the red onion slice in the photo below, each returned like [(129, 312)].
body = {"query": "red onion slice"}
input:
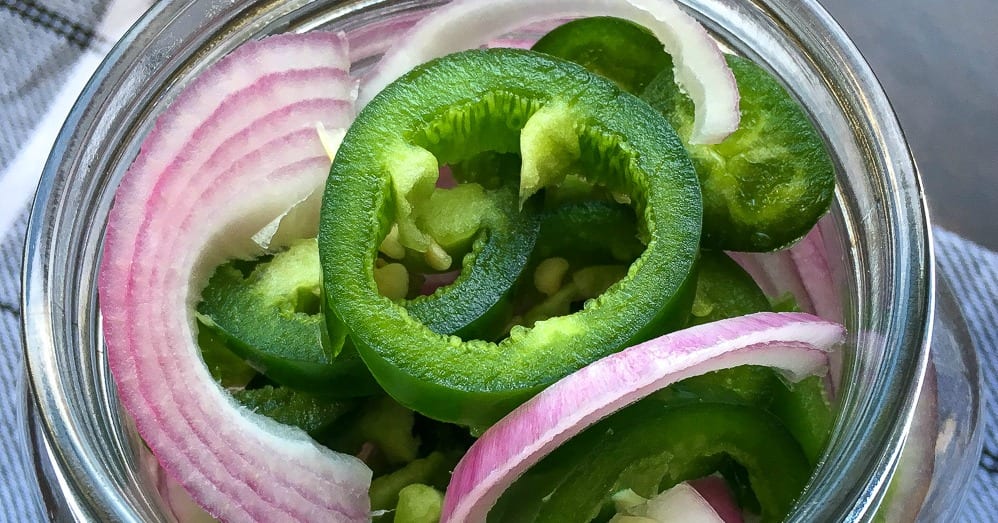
[(804, 270), (233, 152), (700, 67), (211, 89), (715, 490), (796, 344), (372, 40)]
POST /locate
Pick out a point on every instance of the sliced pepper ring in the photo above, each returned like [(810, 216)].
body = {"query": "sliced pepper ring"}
[(467, 103), (262, 318), (475, 306)]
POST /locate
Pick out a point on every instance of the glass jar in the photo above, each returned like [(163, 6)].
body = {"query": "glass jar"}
[(94, 467)]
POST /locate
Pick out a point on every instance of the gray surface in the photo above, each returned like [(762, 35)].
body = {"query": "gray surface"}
[(938, 63), (36, 52)]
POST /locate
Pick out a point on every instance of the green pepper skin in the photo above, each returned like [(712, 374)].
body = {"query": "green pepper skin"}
[(802, 407), (291, 407), (456, 107), (266, 320), (806, 411), (490, 169), (225, 366), (724, 290), (651, 446), (617, 49), (478, 304), (589, 233), (765, 185)]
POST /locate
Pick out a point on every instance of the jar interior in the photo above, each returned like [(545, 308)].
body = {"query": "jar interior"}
[(876, 234)]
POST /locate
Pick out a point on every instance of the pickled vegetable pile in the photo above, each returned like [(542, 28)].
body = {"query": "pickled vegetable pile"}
[(518, 285)]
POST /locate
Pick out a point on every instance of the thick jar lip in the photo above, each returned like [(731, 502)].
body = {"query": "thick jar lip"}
[(68, 391)]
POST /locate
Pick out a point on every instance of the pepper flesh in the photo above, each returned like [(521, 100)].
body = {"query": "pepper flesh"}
[(459, 106)]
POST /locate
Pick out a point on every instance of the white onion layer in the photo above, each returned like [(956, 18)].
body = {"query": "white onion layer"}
[(715, 490), (681, 504), (700, 67)]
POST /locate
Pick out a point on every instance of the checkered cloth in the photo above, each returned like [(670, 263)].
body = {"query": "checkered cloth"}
[(49, 48)]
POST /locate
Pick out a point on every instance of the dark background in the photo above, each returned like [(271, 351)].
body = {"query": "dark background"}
[(938, 63)]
